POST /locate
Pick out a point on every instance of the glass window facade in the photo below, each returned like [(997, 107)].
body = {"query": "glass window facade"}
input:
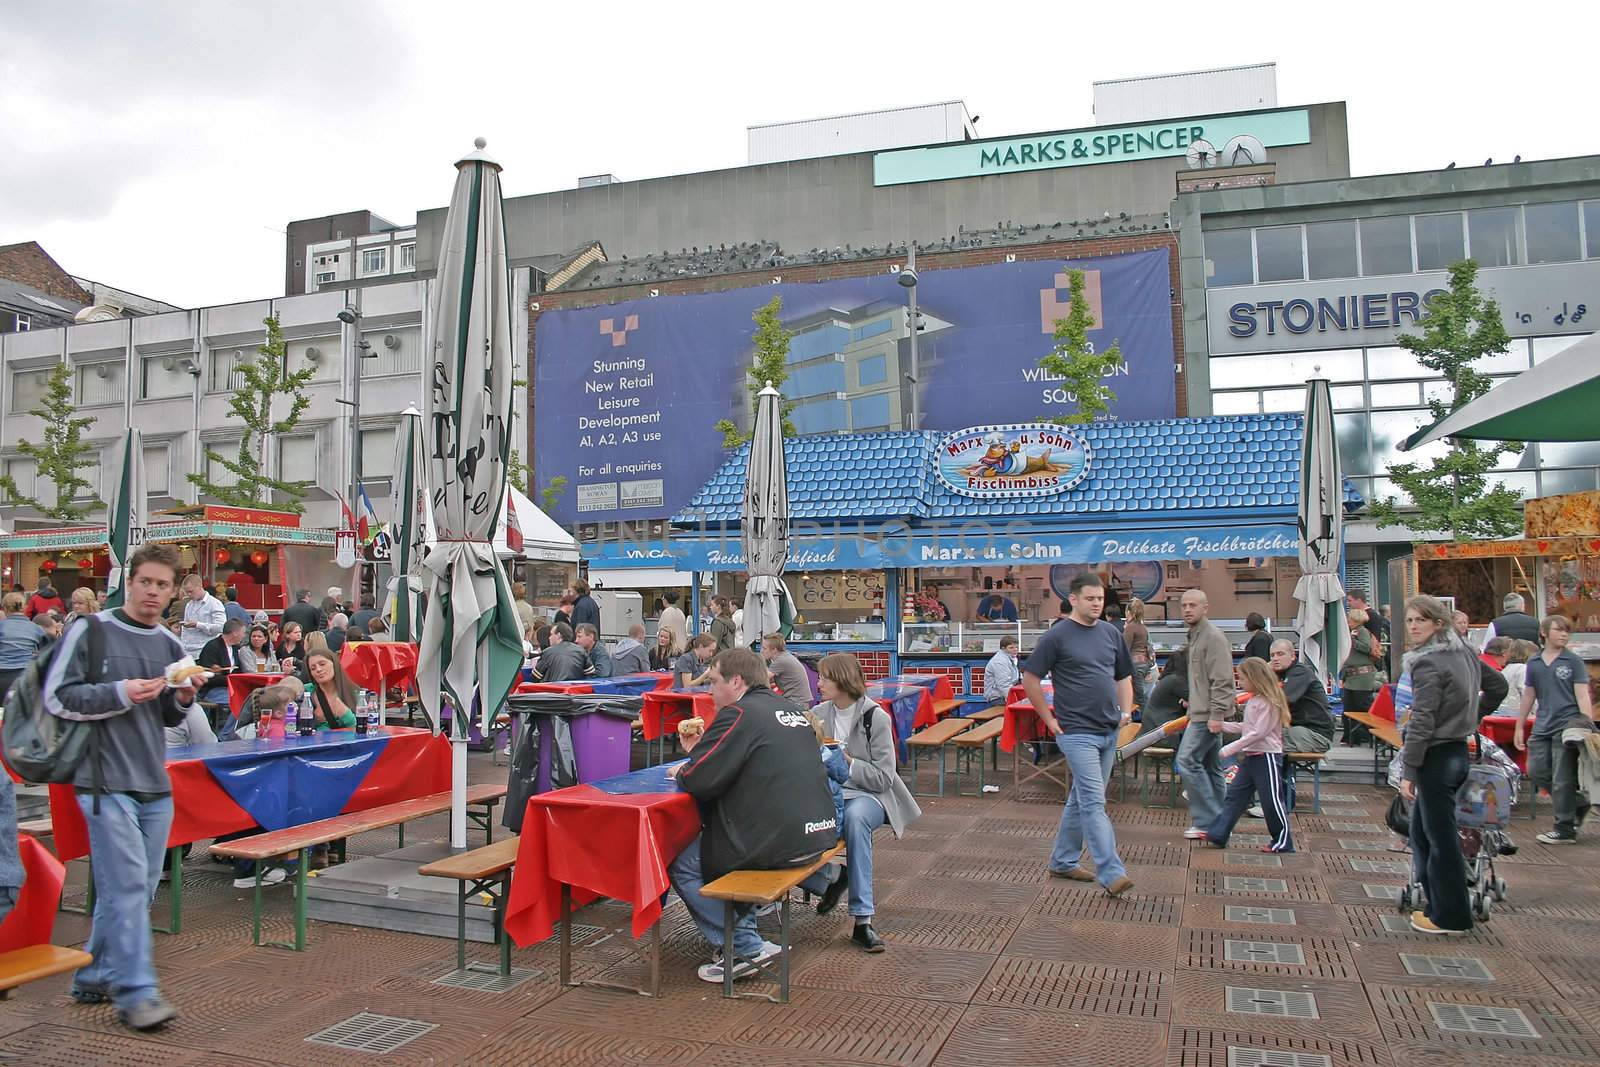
[(873, 370), (1552, 233), (1386, 245), (1331, 250), (1228, 258), (1493, 234), (1279, 256), (1441, 240)]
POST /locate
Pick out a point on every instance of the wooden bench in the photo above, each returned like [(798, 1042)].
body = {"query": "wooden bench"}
[(1313, 760), (1156, 758), (935, 737), (942, 708), (1125, 734), (1385, 737), (23, 965), (761, 887), (300, 839), (485, 870), (970, 744), (996, 712)]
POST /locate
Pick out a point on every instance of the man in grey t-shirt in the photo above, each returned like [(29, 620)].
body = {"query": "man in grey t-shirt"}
[(788, 673), (1558, 682)]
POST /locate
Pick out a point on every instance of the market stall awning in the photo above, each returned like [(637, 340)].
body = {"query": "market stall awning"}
[(638, 578), (542, 539), (1556, 401)]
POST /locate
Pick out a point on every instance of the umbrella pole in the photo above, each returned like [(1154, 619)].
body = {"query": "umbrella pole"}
[(458, 790)]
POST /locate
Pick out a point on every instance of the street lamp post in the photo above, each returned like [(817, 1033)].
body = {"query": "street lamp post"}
[(354, 350), (908, 279)]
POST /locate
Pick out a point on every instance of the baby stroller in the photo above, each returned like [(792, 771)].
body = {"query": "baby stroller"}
[(1483, 810)]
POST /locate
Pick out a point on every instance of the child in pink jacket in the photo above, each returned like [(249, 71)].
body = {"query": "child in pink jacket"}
[(1259, 750)]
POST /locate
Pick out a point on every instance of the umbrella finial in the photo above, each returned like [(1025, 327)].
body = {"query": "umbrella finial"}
[(480, 144)]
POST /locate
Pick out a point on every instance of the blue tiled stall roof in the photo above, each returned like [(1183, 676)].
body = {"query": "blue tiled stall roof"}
[(1158, 468)]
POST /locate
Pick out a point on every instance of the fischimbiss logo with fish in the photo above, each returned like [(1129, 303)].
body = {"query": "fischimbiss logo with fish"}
[(1012, 461)]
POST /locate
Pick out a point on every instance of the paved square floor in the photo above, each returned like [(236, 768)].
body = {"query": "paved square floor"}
[(1216, 959)]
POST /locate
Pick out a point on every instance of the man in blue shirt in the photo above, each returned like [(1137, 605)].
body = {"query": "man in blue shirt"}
[(997, 608), (1088, 663), (1558, 682)]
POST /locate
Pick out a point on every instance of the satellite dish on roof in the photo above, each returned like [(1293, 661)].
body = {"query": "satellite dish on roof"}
[(1201, 154), (97, 313), (1244, 150)]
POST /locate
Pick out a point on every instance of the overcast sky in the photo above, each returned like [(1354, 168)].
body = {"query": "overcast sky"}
[(162, 146)]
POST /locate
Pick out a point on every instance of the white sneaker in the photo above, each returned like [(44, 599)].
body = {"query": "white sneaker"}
[(272, 877), (712, 972), (1254, 811), (1194, 833)]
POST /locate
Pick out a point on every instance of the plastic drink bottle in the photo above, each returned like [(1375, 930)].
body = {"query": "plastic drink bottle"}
[(291, 720), (374, 713), (308, 724)]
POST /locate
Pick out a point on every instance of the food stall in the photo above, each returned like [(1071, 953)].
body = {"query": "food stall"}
[(918, 552), (263, 554)]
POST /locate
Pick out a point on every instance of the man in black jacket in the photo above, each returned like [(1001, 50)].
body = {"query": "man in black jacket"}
[(764, 800), (304, 612), (564, 660), (1310, 725), (1514, 621), (222, 655)]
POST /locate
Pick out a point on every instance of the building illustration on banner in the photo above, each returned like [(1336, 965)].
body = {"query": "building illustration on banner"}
[(628, 394)]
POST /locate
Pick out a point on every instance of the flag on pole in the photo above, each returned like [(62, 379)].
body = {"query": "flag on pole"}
[(513, 526), (369, 519)]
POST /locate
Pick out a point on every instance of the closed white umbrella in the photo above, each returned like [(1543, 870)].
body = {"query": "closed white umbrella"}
[(1324, 638), (471, 643), (764, 523), (411, 524), (127, 516)]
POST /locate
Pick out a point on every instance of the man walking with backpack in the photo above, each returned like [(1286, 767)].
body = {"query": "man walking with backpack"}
[(120, 689)]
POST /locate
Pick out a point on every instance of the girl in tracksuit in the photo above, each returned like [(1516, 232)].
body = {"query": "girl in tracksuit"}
[(1259, 750)]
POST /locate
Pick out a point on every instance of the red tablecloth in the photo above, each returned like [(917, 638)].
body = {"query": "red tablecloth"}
[(1021, 724), (603, 845), (241, 686), (553, 687), (1502, 730), (414, 763), (34, 917), (664, 709), (380, 665)]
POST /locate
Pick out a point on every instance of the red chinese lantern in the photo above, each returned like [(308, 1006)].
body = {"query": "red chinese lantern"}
[(86, 563), (48, 566), (223, 555), (259, 558)]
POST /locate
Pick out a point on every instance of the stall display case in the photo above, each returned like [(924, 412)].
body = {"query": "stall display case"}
[(870, 632), (964, 638)]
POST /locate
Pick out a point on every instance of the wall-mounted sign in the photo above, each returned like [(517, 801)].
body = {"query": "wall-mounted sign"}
[(1085, 147), (1012, 461), (1535, 301)]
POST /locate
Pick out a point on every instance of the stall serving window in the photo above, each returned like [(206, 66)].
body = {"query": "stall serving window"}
[(844, 606)]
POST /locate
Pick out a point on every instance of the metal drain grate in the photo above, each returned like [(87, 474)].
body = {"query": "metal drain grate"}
[(1339, 826), (1381, 892), (1380, 866), (1245, 913), (1247, 860), (1263, 952), (1397, 924), (366, 1032), (1239, 1056), (1341, 798), (485, 979), (1470, 968), (1278, 1002), (1235, 884), (1361, 844), (1481, 1019), (1250, 840)]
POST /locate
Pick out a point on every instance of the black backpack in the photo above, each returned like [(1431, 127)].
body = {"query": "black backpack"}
[(44, 748)]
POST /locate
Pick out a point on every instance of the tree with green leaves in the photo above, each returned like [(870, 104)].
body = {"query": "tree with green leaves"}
[(1452, 494), (60, 455), (550, 495), (1073, 362), (263, 378), (770, 367)]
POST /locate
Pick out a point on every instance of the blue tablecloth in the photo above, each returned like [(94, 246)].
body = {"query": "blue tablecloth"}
[(293, 780), (903, 702), (653, 779), (626, 684)]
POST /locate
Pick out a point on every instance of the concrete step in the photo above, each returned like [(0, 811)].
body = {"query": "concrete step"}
[(386, 892)]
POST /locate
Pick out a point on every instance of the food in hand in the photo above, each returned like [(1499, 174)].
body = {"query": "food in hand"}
[(186, 671), (691, 727)]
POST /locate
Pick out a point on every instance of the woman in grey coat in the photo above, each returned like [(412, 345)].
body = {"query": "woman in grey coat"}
[(1444, 684), (873, 792)]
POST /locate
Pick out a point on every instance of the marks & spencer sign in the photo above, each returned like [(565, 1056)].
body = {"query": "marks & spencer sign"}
[(1079, 148)]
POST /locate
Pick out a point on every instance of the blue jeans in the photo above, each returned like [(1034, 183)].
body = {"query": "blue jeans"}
[(862, 815), (1084, 818), (1200, 763), (707, 913), (126, 843)]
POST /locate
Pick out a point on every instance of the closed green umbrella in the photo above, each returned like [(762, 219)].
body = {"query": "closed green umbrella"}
[(471, 643), (410, 528), (1324, 638), (127, 516)]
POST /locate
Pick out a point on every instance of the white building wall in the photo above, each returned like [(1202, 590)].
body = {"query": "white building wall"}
[(866, 131), (1200, 92)]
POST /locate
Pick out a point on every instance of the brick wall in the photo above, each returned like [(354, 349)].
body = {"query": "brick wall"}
[(957, 675), (974, 257), (30, 265), (874, 665)]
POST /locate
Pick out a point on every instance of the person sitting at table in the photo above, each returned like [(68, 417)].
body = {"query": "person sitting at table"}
[(379, 630), (256, 655), (291, 648), (338, 626), (628, 655), (1169, 697), (221, 654), (873, 792), (333, 693), (693, 667), (1001, 672), (788, 673), (764, 802), (665, 652), (563, 661), (598, 663), (354, 635)]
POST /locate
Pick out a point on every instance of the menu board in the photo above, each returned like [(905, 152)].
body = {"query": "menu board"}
[(858, 593)]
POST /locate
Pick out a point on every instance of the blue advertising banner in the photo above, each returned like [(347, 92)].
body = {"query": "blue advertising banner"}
[(977, 544), (627, 395)]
